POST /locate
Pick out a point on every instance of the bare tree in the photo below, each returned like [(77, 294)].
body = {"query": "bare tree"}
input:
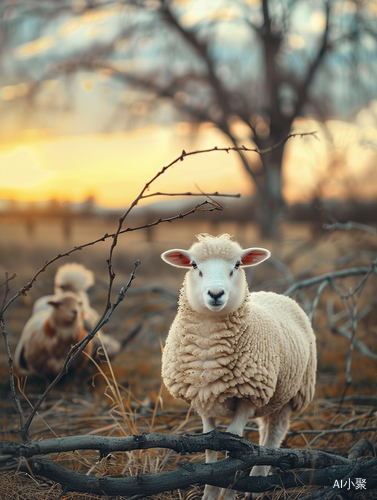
[(260, 65)]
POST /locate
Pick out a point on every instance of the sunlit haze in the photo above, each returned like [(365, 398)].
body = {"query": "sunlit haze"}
[(113, 168)]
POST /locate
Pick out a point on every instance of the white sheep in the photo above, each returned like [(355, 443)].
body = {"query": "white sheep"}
[(48, 336), (232, 353), (74, 277)]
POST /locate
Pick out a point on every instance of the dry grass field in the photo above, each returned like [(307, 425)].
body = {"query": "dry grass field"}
[(127, 397)]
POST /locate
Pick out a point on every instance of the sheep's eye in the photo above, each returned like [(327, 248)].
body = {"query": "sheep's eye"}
[(237, 265), (195, 266)]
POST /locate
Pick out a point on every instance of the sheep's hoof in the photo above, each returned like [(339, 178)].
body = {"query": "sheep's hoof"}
[(252, 496), (227, 494), (211, 493)]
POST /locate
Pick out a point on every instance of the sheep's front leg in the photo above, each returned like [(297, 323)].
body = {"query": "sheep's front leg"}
[(244, 411), (272, 429), (210, 492)]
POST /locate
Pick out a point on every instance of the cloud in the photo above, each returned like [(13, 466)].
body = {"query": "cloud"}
[(20, 168)]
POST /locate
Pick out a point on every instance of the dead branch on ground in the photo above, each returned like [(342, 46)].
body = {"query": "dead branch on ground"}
[(325, 468)]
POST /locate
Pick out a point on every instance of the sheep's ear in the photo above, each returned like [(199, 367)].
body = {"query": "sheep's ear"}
[(54, 303), (254, 256), (177, 258)]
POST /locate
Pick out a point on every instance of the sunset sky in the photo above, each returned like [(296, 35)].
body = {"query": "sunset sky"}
[(114, 167), (70, 155)]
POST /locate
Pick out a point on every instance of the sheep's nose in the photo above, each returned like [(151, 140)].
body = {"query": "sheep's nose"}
[(74, 313), (216, 296)]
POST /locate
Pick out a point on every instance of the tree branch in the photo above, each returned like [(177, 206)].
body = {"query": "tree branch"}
[(302, 89), (201, 48)]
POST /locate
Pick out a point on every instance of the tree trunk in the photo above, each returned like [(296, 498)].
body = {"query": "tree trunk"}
[(270, 201)]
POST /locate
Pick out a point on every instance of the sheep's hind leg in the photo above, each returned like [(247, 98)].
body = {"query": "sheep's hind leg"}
[(272, 429), (210, 492)]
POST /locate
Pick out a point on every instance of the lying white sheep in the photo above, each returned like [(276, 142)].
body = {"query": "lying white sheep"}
[(48, 336), (74, 277), (233, 353)]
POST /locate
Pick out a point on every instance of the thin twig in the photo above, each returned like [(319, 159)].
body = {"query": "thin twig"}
[(7, 280), (15, 398), (354, 271), (353, 320), (344, 332), (347, 226), (222, 195), (320, 289), (242, 148)]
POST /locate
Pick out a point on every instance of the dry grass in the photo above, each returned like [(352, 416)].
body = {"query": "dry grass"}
[(110, 409)]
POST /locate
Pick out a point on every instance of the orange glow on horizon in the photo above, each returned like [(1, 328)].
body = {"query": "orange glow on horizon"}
[(114, 168)]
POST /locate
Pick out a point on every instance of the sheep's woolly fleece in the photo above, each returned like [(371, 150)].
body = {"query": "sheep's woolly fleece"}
[(73, 277), (219, 247), (264, 353)]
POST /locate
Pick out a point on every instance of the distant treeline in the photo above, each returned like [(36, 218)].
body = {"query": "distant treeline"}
[(316, 212)]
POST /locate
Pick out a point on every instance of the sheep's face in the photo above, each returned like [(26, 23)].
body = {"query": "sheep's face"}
[(67, 309), (215, 284)]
